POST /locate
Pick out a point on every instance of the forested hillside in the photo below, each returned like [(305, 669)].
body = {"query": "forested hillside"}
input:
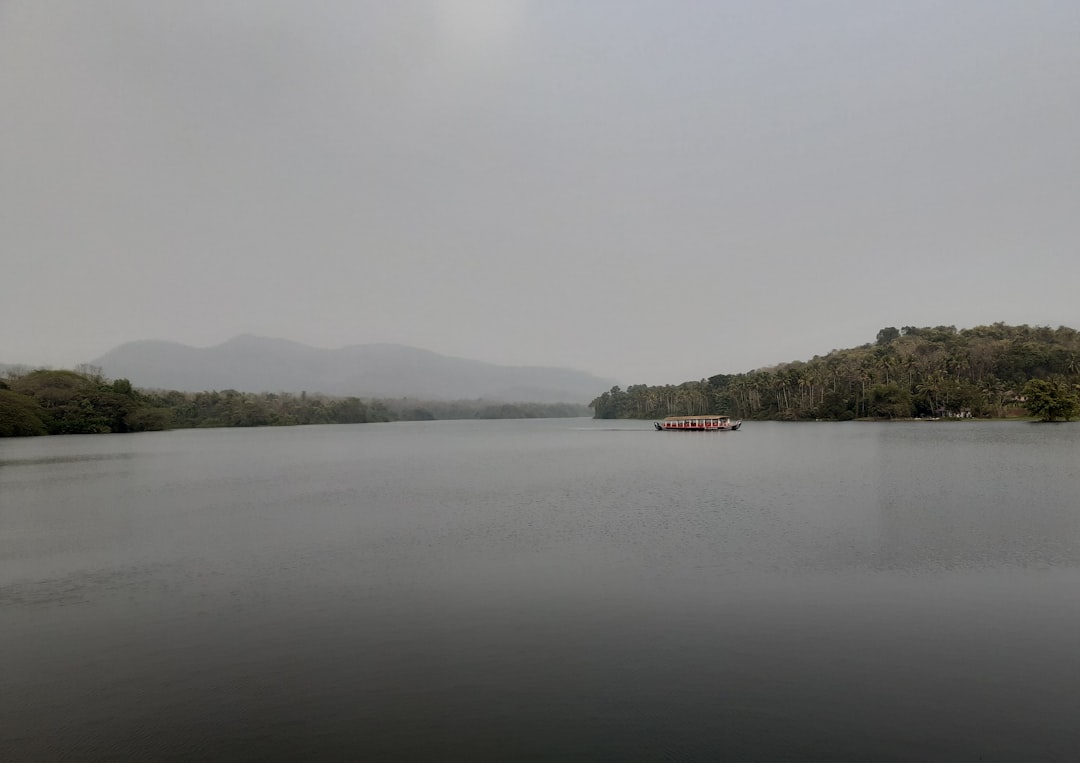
[(986, 371), (68, 402)]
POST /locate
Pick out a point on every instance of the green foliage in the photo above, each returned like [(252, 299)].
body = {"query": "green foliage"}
[(935, 371), (20, 416), (641, 401), (887, 334), (890, 401), (609, 405), (351, 410), (71, 403), (835, 405), (1051, 399), (420, 410), (149, 419)]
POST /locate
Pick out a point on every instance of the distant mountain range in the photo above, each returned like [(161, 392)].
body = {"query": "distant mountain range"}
[(259, 364)]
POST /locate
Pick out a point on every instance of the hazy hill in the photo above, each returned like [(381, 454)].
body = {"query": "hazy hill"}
[(258, 364)]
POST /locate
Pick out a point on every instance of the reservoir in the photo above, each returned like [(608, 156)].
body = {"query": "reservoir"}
[(541, 590)]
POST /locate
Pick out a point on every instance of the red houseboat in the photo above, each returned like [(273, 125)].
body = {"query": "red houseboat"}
[(707, 423)]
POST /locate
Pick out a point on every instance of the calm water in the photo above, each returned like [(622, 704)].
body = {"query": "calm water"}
[(543, 590)]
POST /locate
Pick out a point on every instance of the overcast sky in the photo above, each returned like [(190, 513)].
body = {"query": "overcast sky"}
[(651, 191)]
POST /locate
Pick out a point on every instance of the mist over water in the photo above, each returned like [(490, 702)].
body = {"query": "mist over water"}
[(543, 589)]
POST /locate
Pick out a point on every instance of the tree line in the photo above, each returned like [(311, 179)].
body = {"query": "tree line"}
[(994, 371), (43, 402)]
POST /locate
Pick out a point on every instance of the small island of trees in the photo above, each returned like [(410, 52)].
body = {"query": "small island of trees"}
[(995, 371)]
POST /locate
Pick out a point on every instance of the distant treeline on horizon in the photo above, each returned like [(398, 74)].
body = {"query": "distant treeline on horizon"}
[(995, 371), (41, 402)]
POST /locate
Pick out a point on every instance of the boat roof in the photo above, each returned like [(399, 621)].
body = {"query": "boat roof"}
[(699, 416)]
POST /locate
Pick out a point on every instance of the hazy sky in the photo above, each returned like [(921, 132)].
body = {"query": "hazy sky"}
[(651, 191)]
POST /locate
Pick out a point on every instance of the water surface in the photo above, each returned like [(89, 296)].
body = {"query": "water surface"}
[(543, 589)]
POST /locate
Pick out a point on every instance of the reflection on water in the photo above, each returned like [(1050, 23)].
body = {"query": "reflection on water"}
[(65, 459), (543, 589), (977, 496)]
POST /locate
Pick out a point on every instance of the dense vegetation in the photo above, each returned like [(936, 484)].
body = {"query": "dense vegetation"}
[(69, 402), (987, 371)]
